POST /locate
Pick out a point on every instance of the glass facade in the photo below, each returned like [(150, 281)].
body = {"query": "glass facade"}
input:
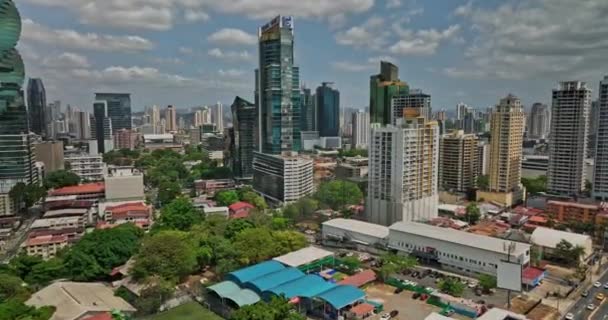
[(36, 103), (308, 111), (328, 103), (383, 87), (119, 109), (278, 88), (244, 123)]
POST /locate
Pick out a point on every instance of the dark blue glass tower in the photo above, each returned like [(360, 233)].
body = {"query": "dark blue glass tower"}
[(328, 104)]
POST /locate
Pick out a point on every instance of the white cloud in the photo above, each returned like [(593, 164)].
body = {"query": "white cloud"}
[(231, 73), (65, 38), (116, 75), (391, 4), (528, 40), (66, 60), (371, 34), (185, 50), (231, 36), (230, 55), (422, 42), (464, 10), (192, 15), (162, 14), (168, 61), (372, 63)]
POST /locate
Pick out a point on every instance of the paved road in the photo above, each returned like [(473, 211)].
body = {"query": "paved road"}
[(579, 309)]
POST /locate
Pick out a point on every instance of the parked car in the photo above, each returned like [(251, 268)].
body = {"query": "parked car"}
[(416, 295), (450, 313), (424, 296), (398, 290), (597, 284), (385, 316), (472, 284), (585, 293), (590, 306), (394, 313), (600, 296), (478, 292), (415, 274), (569, 316)]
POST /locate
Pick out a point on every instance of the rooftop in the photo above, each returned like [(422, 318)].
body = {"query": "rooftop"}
[(96, 187), (240, 205), (47, 239), (65, 212), (49, 222), (573, 204), (458, 237), (72, 300), (362, 227), (550, 238), (303, 256)]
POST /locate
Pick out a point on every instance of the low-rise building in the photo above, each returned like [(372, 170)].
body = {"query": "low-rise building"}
[(58, 223), (126, 139), (88, 191), (45, 246), (457, 250), (161, 142), (79, 300), (352, 167), (548, 239), (564, 211), (124, 185), (354, 233), (87, 167), (210, 187), (7, 205), (116, 214), (240, 210), (219, 211)]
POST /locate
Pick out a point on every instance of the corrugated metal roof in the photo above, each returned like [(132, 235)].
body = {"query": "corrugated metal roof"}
[(274, 279), (361, 227), (303, 256), (308, 286), (549, 238), (341, 296), (261, 269)]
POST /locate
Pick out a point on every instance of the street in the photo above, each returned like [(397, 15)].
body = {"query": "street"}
[(579, 309)]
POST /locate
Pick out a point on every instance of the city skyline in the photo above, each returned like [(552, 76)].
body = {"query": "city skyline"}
[(449, 49)]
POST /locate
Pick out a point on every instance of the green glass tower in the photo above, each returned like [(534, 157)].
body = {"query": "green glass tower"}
[(383, 87), (278, 88), (16, 152)]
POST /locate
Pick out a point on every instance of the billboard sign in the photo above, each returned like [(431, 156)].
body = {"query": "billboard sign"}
[(509, 275)]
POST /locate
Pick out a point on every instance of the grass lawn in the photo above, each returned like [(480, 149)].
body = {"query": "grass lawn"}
[(188, 311)]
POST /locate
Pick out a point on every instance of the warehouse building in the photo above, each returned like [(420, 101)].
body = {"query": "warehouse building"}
[(354, 234), (548, 239), (458, 250)]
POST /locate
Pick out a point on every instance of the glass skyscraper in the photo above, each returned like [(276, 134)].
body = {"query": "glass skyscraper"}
[(383, 87), (278, 88), (119, 109), (328, 104), (308, 111), (16, 152), (36, 103), (244, 127)]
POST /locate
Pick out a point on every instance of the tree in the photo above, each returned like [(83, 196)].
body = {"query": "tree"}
[(452, 287), (568, 253), (236, 226), (14, 309), (277, 309), (353, 153), (255, 199), (168, 191), (483, 182), (393, 263), (487, 282), (45, 272), (152, 297), (338, 194), (23, 264), (12, 287), (60, 179), (27, 195), (170, 255), (180, 214), (288, 241), (351, 263), (472, 214), (536, 185), (255, 245), (226, 198)]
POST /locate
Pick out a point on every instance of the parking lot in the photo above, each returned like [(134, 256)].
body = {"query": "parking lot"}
[(408, 308), (498, 298)]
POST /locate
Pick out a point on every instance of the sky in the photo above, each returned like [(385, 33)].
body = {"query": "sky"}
[(190, 53)]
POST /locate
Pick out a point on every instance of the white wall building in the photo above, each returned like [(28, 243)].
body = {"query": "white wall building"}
[(217, 116), (458, 250), (600, 177), (360, 129), (355, 231), (87, 167), (124, 184), (548, 239), (285, 178), (403, 171)]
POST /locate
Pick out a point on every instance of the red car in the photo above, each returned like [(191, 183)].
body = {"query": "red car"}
[(423, 297)]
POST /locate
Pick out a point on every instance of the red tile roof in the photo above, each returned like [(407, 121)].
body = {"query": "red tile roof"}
[(138, 209), (101, 316), (359, 279), (49, 239), (240, 205), (532, 273), (362, 309), (96, 187), (538, 219)]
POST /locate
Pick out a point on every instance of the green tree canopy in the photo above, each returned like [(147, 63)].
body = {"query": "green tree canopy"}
[(179, 214), (487, 282), (483, 182), (236, 226), (288, 241), (60, 179), (255, 245), (452, 287), (11, 287), (536, 185), (568, 253), (168, 191), (276, 309), (473, 214), (170, 255), (338, 194), (351, 263), (226, 197)]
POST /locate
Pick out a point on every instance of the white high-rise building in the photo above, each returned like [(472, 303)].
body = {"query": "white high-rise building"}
[(568, 138), (403, 171), (171, 119), (600, 177), (217, 116), (283, 178), (360, 125), (198, 118), (461, 110), (539, 122)]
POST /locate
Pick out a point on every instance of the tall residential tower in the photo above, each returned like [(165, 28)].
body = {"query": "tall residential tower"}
[(600, 176), (36, 103), (383, 87)]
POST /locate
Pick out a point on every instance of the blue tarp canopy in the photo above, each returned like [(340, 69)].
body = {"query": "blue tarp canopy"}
[(341, 296), (231, 291), (274, 279), (307, 287), (259, 270)]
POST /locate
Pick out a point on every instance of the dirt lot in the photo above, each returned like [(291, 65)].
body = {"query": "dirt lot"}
[(409, 309)]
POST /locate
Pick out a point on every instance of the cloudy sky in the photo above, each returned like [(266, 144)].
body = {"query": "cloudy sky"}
[(195, 52)]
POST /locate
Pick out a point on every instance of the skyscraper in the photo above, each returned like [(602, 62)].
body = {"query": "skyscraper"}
[(278, 88), (540, 121), (36, 102), (383, 87), (278, 172), (568, 138), (308, 117), (244, 120), (217, 116), (171, 119), (403, 170), (360, 129), (414, 99), (198, 118), (83, 125), (119, 108), (328, 104), (17, 155), (600, 176), (507, 134), (458, 161), (101, 125), (461, 109)]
